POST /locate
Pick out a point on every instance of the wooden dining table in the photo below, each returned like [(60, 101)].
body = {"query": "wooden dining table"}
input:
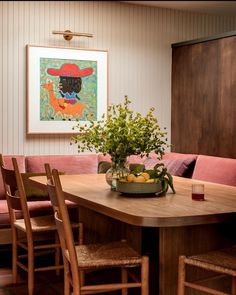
[(162, 227)]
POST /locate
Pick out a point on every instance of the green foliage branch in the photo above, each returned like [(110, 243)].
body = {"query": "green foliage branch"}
[(122, 134)]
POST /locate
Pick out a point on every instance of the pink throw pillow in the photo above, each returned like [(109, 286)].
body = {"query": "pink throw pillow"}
[(178, 167)]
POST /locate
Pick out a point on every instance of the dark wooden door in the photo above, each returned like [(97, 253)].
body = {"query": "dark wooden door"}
[(204, 98)]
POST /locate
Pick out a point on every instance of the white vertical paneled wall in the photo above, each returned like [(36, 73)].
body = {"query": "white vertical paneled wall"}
[(138, 39)]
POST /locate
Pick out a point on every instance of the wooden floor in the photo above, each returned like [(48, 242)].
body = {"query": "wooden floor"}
[(47, 283)]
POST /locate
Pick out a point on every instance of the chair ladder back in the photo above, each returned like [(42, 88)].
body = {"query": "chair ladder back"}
[(65, 229), (8, 176), (13, 202), (10, 180), (22, 196), (10, 187), (52, 195), (48, 172), (51, 188)]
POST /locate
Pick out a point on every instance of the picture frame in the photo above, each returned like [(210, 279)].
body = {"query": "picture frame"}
[(65, 86)]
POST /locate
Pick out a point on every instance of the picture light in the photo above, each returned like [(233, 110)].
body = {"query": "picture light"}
[(68, 35)]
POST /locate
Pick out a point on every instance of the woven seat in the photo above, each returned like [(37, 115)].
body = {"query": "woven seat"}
[(220, 261), (100, 255), (77, 259), (38, 224)]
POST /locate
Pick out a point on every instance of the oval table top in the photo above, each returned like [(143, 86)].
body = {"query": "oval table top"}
[(91, 191)]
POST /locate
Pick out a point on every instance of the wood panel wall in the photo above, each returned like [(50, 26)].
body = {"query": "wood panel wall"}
[(204, 98), (138, 39)]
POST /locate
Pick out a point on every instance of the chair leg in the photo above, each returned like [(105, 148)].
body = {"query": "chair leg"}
[(66, 279), (145, 275), (82, 278), (30, 269), (124, 279), (14, 255), (57, 253), (181, 275), (233, 285)]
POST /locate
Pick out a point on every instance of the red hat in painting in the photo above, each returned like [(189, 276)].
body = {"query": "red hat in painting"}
[(70, 70)]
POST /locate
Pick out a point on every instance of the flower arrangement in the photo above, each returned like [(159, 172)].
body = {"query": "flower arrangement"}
[(122, 134)]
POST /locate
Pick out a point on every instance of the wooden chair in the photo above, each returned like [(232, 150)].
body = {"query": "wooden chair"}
[(93, 256), (16, 200), (80, 225), (221, 262)]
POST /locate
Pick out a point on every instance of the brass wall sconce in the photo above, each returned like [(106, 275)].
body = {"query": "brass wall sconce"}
[(68, 35)]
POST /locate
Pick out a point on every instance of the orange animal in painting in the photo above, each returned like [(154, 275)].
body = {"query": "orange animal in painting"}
[(60, 106)]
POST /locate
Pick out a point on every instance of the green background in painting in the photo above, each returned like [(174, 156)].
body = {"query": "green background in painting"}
[(87, 95)]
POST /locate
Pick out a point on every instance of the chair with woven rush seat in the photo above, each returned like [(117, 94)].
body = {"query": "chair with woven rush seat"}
[(80, 225), (220, 261), (29, 227), (94, 256)]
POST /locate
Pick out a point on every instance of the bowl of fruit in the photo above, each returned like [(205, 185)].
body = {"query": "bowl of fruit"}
[(145, 182), (139, 184)]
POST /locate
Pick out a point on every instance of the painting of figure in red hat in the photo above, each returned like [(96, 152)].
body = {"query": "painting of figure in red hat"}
[(68, 90), (65, 87)]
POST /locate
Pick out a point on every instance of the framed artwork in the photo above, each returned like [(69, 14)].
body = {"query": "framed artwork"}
[(65, 86)]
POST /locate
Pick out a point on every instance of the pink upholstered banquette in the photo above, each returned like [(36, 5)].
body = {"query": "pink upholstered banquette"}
[(207, 168)]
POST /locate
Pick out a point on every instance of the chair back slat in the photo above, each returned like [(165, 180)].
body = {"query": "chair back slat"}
[(10, 187), (51, 188), (48, 172), (8, 176), (9, 179), (22, 195), (52, 195), (14, 201)]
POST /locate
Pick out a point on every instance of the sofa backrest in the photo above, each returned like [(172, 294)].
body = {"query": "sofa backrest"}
[(8, 164), (176, 163), (207, 168), (177, 156), (166, 156), (215, 169), (69, 164)]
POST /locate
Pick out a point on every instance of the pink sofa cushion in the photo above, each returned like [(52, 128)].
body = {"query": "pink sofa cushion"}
[(72, 164), (37, 208), (215, 169), (8, 164)]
